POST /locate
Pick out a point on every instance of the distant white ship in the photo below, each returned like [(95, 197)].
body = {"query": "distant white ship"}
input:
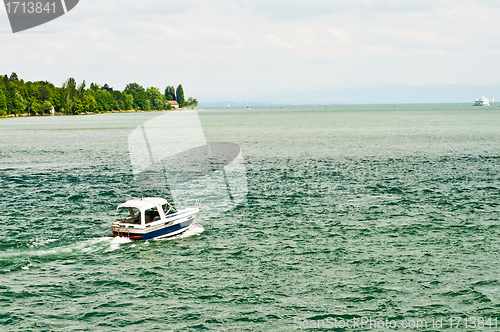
[(482, 102)]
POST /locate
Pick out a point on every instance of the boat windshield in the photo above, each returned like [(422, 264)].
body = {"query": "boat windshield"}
[(168, 209), (133, 215)]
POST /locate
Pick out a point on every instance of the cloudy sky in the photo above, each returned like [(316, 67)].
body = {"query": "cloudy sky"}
[(229, 49)]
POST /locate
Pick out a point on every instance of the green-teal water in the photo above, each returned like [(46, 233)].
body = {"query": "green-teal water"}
[(352, 212)]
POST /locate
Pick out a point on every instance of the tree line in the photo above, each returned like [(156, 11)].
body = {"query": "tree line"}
[(42, 97)]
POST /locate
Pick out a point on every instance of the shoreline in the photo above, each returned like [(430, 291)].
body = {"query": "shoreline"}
[(14, 116)]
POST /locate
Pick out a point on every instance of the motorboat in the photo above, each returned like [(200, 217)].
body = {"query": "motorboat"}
[(152, 218), (482, 102)]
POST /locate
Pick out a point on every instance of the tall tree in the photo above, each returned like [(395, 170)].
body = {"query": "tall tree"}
[(170, 93), (13, 77), (81, 89), (3, 103), (19, 103), (180, 95), (70, 85), (129, 101), (69, 91)]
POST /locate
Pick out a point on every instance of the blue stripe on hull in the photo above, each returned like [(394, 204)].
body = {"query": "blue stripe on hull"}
[(164, 232)]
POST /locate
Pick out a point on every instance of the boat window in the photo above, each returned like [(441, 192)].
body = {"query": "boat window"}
[(130, 215), (168, 209), (152, 215)]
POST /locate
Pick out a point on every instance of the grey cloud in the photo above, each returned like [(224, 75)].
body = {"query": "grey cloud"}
[(297, 9), (129, 8)]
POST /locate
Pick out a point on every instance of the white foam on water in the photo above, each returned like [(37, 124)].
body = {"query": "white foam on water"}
[(27, 267), (193, 230), (83, 247), (88, 246), (115, 243), (41, 242)]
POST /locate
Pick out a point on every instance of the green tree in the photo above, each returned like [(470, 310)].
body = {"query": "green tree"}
[(55, 99), (19, 104), (105, 101), (67, 93), (119, 98), (107, 87), (81, 89), (180, 95), (129, 101), (46, 107), (147, 105), (70, 86), (140, 100), (138, 93), (10, 93), (17, 96), (36, 107), (133, 88), (13, 77), (78, 106), (159, 104), (156, 98), (44, 92), (191, 102), (89, 103), (170, 93), (3, 103), (153, 92)]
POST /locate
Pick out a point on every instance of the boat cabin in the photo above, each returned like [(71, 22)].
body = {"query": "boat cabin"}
[(145, 210)]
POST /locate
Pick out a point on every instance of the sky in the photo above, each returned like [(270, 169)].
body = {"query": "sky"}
[(239, 49)]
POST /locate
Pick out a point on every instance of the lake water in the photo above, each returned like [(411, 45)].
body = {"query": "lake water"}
[(381, 212)]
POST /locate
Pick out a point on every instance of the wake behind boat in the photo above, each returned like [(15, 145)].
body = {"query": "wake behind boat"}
[(152, 218)]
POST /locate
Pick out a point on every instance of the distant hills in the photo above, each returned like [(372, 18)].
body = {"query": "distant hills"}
[(375, 95)]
